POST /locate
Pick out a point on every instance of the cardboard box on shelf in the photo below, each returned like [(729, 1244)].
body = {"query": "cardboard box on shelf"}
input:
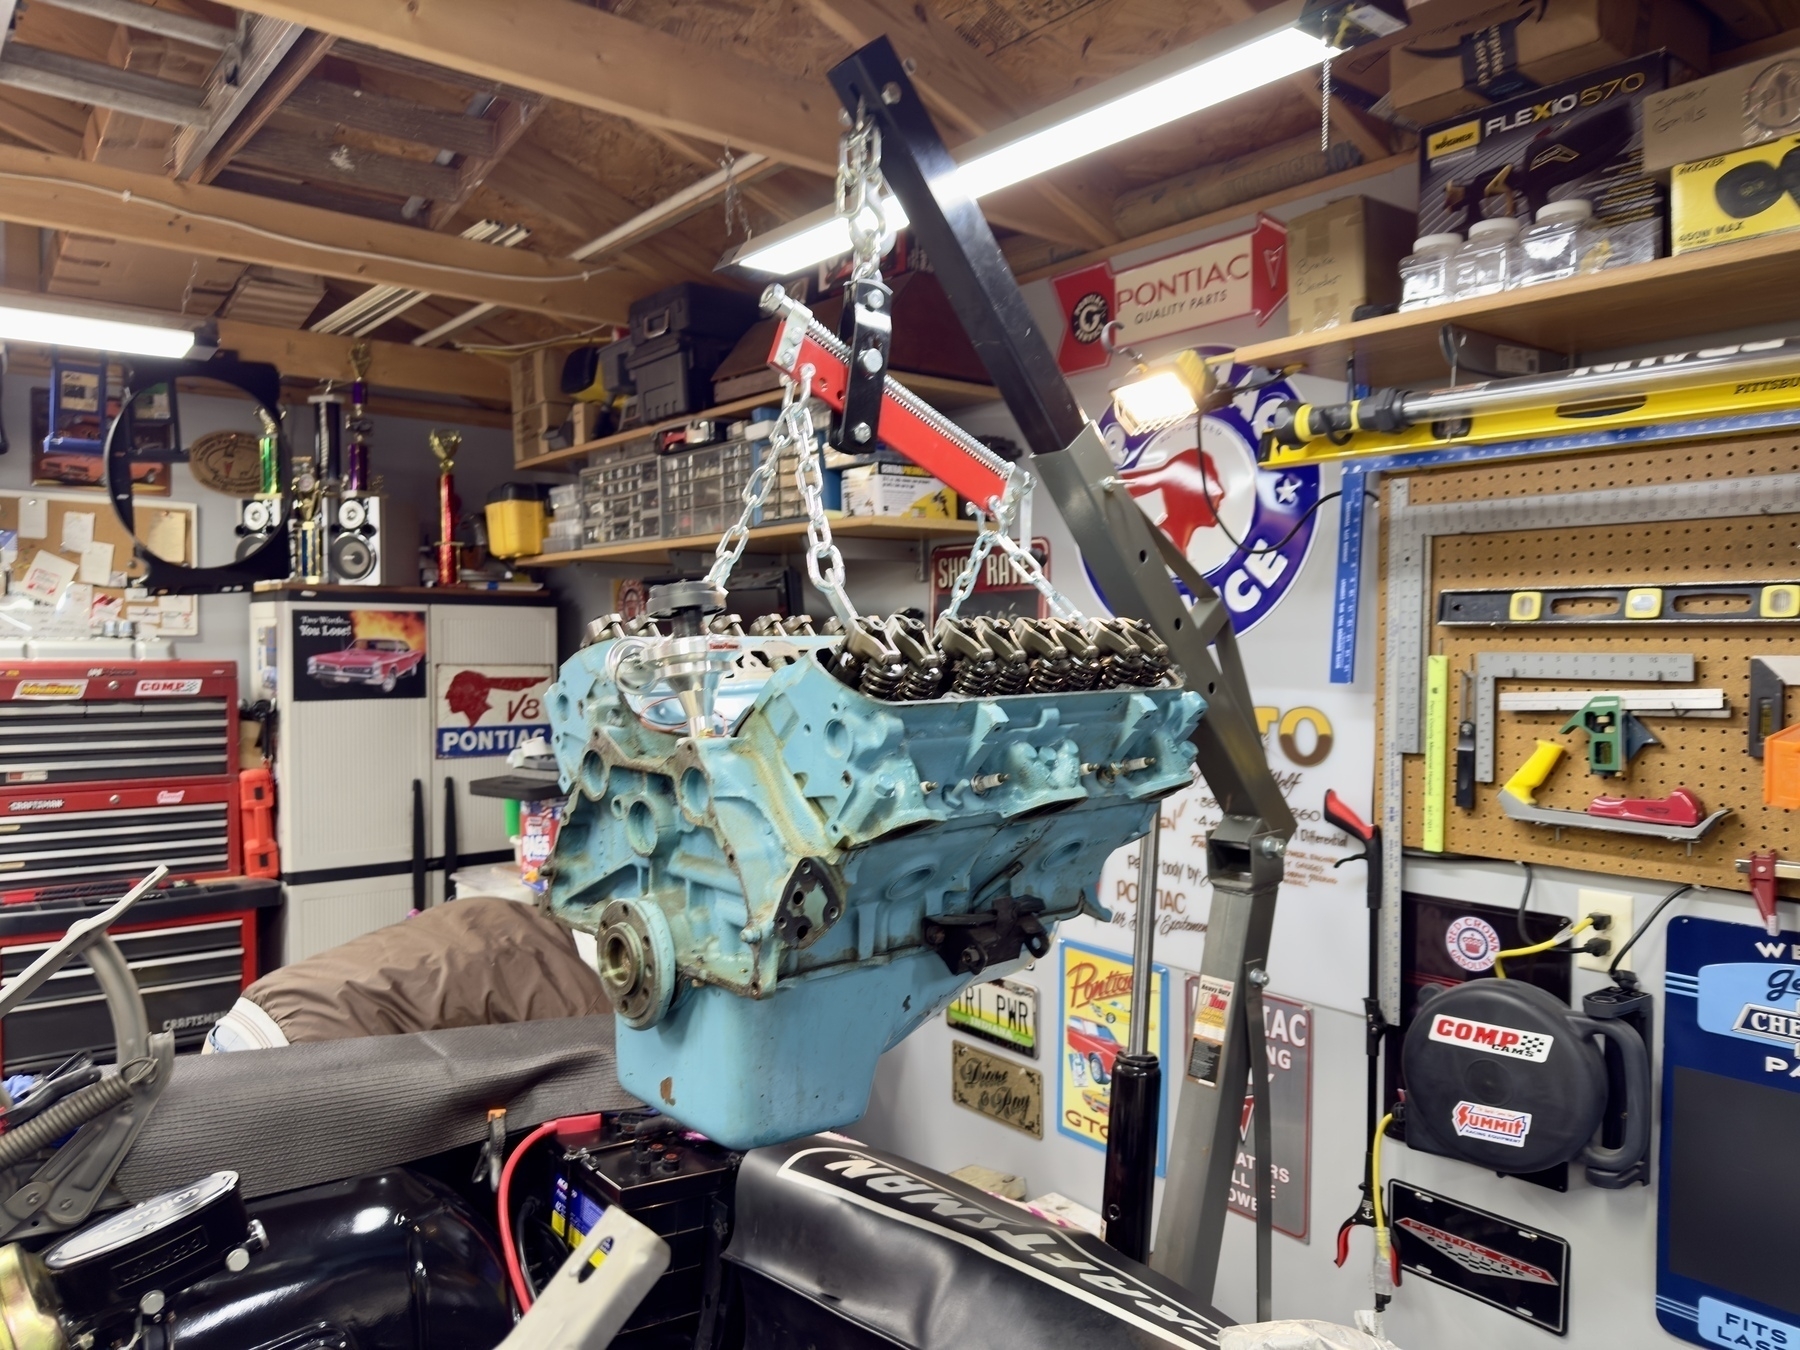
[(532, 423), (1345, 254), (1472, 60), (1744, 106), (1583, 139), (1742, 195), (537, 377), (896, 490)]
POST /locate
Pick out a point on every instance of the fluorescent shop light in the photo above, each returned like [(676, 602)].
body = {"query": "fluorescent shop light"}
[(44, 322), (1129, 112), (1174, 86)]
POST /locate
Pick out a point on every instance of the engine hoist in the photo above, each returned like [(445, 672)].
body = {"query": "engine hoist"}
[(795, 844)]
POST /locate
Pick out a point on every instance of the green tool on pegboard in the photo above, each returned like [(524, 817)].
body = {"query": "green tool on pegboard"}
[(1614, 735)]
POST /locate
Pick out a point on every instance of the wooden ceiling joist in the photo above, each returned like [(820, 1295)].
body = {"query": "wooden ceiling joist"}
[(240, 100), (365, 110), (597, 60), (81, 81), (392, 365), (67, 194), (323, 159), (149, 19)]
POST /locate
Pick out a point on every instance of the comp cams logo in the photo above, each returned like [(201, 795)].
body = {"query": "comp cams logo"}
[(1532, 1046), (1245, 529)]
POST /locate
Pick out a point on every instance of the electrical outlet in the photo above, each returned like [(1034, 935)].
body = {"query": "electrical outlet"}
[(1617, 906)]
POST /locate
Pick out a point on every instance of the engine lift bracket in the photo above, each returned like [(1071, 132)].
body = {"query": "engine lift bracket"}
[(1131, 561)]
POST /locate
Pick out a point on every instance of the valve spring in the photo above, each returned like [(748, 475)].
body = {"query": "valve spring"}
[(1083, 674), (1048, 676), (1156, 671), (847, 666), (1014, 678), (884, 681), (975, 678), (922, 682)]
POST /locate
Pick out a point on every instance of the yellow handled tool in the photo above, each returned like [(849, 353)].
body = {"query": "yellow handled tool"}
[(1532, 773)]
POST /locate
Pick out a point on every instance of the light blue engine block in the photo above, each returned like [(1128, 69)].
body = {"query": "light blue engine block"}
[(781, 900)]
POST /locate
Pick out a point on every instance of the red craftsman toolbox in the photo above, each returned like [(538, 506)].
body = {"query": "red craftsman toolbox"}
[(108, 770)]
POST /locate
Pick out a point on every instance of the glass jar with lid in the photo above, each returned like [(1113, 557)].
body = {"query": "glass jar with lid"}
[(1424, 273), (1560, 244), (1488, 261)]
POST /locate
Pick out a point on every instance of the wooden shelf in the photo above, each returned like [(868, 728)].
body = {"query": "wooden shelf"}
[(943, 394), (789, 531), (1711, 291)]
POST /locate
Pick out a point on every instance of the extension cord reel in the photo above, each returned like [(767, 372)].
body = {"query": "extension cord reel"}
[(1501, 1074)]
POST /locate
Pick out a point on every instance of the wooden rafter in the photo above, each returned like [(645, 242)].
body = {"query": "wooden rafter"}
[(595, 59), (509, 117), (48, 123), (59, 75), (322, 158), (365, 110), (67, 194), (240, 99)]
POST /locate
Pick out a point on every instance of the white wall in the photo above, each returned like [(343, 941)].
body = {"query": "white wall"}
[(1319, 956), (400, 455)]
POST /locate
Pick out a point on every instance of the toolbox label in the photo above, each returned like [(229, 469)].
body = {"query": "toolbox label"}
[(1495, 1124), (47, 689), (1532, 1046), (167, 688)]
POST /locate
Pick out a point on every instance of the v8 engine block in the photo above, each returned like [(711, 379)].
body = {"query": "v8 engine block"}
[(787, 874)]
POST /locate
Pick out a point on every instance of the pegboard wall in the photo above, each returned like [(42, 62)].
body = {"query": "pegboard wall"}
[(1706, 755)]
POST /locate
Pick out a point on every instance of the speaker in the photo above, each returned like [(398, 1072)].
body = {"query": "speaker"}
[(258, 518), (372, 540)]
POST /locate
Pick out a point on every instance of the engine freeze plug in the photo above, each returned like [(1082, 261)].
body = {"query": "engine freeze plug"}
[(687, 664)]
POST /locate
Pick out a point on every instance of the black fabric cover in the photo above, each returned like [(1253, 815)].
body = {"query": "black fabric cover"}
[(834, 1233), (306, 1114)]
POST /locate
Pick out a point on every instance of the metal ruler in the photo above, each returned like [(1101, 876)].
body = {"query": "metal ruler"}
[(1625, 667), (1410, 533), (1351, 525), (1753, 602), (1346, 599)]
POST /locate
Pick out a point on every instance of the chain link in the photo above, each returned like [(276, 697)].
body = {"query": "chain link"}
[(996, 533), (829, 579), (756, 491), (860, 192)]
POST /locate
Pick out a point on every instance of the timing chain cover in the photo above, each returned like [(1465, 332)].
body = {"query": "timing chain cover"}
[(763, 895)]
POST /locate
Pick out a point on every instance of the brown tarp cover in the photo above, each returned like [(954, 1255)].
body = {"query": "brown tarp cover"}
[(475, 962)]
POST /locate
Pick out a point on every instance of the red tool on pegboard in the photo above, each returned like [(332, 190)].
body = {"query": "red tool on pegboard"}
[(1762, 888)]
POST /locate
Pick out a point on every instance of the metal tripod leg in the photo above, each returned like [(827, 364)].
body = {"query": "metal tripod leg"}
[(1244, 866)]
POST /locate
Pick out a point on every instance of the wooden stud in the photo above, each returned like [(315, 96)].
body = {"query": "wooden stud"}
[(69, 194)]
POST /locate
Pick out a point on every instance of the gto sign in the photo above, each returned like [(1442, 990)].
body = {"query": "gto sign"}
[(1226, 279)]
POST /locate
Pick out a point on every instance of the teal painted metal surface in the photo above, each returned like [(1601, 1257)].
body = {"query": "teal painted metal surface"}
[(763, 896)]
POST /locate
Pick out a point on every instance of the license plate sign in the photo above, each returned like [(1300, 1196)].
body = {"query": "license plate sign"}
[(1004, 1012)]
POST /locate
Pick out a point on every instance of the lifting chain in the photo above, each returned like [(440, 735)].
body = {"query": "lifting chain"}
[(996, 532), (860, 193)]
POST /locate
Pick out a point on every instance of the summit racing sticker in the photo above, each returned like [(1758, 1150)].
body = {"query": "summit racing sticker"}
[(49, 689), (1533, 1046), (1064, 1260), (1245, 529), (1496, 1124)]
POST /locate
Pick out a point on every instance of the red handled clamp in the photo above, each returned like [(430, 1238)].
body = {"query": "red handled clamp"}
[(907, 423)]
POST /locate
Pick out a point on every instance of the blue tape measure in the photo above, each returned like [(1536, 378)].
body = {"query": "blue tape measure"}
[(1727, 1238)]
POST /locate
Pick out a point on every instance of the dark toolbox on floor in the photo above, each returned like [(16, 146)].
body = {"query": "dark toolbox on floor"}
[(193, 948), (676, 1184)]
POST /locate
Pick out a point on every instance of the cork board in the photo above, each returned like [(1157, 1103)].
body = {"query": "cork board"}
[(1707, 756), (169, 526)]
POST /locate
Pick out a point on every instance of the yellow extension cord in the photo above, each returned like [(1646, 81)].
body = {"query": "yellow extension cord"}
[(1580, 926)]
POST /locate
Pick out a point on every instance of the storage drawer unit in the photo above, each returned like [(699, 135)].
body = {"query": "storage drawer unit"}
[(73, 722), (53, 838), (193, 950)]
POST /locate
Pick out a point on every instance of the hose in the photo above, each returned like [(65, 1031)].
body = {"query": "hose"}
[(71, 1113), (1579, 926)]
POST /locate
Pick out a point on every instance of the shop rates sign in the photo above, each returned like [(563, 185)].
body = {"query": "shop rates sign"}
[(1226, 279)]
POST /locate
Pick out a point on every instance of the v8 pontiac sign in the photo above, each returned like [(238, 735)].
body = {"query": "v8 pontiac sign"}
[(1226, 279), (487, 710)]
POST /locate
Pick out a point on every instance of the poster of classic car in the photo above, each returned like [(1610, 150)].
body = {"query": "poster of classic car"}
[(359, 653)]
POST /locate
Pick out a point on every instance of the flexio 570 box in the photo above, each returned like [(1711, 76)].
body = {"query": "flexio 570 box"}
[(1737, 196), (1582, 138)]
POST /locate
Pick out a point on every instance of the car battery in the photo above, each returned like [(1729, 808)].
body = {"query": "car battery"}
[(622, 498), (676, 1184), (693, 310), (674, 374), (84, 721)]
